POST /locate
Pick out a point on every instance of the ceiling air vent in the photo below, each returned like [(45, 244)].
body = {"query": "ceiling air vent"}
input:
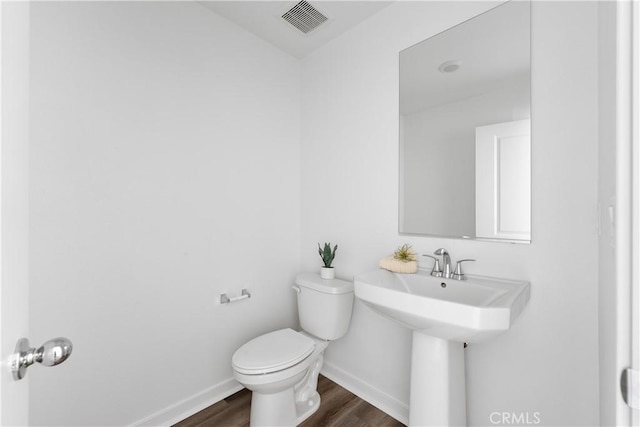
[(304, 17)]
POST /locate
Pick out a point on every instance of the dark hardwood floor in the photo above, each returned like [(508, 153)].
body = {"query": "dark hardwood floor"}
[(339, 408)]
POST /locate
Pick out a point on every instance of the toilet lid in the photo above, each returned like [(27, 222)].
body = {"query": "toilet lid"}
[(272, 352)]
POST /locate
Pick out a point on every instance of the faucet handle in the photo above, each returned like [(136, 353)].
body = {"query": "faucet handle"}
[(458, 274), (436, 271)]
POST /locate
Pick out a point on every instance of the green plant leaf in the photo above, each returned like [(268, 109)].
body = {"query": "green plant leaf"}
[(405, 253), (327, 254)]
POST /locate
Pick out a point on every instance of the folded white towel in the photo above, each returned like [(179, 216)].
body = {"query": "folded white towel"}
[(392, 264)]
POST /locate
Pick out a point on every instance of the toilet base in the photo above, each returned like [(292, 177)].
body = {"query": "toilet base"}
[(285, 398), (305, 409), (279, 409), (273, 409)]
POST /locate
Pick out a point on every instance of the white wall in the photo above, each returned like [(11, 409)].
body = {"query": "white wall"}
[(548, 362), (440, 157), (164, 171)]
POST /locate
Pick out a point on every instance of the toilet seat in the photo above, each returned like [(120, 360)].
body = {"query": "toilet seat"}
[(272, 352)]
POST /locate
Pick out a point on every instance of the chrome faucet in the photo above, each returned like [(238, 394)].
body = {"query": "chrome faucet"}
[(445, 270), (446, 262)]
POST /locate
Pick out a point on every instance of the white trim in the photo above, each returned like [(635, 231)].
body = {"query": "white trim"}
[(14, 148), (623, 215), (378, 398), (2, 348), (634, 106), (191, 405), (199, 401)]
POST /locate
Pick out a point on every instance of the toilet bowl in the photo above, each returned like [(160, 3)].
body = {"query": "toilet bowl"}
[(284, 380), (281, 368)]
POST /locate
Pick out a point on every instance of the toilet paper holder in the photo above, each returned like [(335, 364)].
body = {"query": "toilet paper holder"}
[(224, 299)]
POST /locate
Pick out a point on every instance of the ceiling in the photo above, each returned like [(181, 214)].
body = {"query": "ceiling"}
[(264, 19)]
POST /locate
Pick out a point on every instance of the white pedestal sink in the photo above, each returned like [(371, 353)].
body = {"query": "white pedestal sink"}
[(443, 314)]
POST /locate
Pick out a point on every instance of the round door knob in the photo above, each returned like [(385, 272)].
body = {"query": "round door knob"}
[(51, 353), (54, 352)]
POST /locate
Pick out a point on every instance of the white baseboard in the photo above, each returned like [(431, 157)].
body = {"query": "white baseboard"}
[(196, 403), (365, 391), (191, 405)]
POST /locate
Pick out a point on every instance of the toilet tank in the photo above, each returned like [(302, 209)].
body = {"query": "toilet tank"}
[(324, 306)]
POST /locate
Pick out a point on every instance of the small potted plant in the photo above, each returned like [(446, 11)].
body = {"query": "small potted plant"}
[(327, 255)]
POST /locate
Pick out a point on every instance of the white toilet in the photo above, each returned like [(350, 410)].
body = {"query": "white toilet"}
[(281, 368)]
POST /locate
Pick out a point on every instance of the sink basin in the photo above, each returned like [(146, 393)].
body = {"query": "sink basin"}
[(469, 310)]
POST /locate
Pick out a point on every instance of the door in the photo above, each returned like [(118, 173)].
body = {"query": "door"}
[(14, 137), (630, 23), (503, 181), (626, 216)]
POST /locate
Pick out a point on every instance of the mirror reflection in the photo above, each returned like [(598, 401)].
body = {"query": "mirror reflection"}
[(465, 110)]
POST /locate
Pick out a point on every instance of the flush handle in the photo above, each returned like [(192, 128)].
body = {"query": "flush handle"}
[(51, 353)]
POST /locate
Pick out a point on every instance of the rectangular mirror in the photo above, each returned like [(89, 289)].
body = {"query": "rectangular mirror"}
[(465, 130)]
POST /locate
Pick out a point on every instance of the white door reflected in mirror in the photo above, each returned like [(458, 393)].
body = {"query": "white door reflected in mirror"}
[(503, 181)]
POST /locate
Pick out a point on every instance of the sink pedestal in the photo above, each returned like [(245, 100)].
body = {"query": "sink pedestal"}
[(472, 310), (437, 382)]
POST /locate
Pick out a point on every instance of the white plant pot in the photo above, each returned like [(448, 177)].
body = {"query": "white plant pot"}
[(327, 273)]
